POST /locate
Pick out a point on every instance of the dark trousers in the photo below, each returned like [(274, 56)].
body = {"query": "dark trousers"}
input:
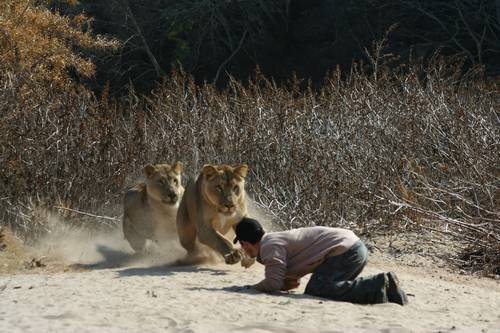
[(336, 279)]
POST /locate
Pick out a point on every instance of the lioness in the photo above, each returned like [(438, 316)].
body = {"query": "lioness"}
[(150, 208), (211, 206)]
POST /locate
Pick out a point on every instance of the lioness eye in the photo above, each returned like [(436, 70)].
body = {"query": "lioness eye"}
[(176, 181), (236, 189)]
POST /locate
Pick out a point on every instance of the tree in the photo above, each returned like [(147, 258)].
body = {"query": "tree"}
[(44, 46), (468, 27)]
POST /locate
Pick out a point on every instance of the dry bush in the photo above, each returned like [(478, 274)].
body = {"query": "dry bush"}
[(417, 150), (45, 47)]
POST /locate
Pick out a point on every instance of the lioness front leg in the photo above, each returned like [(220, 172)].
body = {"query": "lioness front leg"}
[(219, 243), (136, 240), (246, 261)]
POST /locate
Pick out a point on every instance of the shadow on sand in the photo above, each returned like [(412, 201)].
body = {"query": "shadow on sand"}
[(144, 264), (167, 269), (252, 291), (112, 258)]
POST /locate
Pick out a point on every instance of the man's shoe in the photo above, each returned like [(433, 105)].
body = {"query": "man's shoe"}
[(380, 295), (394, 292)]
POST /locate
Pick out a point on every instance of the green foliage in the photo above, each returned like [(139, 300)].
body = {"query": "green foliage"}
[(469, 28), (175, 32), (212, 29), (212, 38)]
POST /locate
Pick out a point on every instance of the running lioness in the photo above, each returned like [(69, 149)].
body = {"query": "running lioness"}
[(150, 208), (210, 208)]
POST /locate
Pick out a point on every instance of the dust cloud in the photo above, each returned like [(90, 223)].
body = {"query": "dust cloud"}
[(101, 248), (264, 217), (107, 248)]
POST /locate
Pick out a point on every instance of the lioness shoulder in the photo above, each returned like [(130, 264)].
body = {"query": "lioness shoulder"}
[(211, 207), (150, 207)]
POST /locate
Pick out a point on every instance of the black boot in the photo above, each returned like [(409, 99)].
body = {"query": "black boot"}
[(394, 292)]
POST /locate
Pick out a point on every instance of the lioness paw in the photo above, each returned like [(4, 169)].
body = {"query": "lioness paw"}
[(247, 261), (233, 257)]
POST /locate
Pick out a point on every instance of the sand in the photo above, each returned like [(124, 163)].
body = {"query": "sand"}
[(111, 290)]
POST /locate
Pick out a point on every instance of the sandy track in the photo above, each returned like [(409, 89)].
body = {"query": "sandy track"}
[(154, 297)]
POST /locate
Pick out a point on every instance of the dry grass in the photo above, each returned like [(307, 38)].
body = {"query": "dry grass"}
[(417, 150)]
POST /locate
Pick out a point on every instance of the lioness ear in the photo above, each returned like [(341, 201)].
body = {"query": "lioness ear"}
[(209, 171), (149, 170), (177, 167), (241, 170)]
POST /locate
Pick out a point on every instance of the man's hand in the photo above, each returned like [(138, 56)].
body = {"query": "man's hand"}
[(290, 284), (247, 287)]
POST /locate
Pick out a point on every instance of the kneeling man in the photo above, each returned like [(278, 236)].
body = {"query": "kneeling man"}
[(334, 256)]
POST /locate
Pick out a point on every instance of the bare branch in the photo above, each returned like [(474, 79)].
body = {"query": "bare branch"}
[(235, 51), (89, 214), (125, 6)]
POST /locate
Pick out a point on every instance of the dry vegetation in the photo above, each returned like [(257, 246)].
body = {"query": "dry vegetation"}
[(419, 150), (384, 150), (44, 47)]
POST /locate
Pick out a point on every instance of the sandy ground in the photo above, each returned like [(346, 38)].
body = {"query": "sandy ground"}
[(110, 290)]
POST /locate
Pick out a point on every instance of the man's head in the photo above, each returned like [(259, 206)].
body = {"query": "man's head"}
[(249, 232)]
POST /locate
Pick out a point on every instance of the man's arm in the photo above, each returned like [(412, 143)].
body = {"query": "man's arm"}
[(274, 258)]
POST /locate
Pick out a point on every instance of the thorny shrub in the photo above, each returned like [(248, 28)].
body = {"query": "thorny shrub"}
[(44, 46), (417, 150)]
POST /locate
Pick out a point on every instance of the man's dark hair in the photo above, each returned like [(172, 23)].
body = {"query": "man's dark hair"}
[(249, 230)]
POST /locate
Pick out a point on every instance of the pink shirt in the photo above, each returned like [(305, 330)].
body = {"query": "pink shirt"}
[(295, 253)]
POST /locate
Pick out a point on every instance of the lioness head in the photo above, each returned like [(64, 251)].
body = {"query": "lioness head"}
[(164, 182), (224, 186)]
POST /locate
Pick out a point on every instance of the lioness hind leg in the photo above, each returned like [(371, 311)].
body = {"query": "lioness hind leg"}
[(135, 240)]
